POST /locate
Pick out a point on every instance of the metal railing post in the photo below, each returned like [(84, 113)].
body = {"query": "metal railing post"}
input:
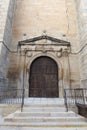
[(75, 96), (22, 104), (23, 82), (83, 96), (65, 99)]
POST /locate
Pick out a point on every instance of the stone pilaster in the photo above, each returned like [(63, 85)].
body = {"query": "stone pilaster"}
[(66, 73)]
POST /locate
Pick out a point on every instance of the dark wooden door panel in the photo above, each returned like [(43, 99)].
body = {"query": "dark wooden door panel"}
[(43, 80)]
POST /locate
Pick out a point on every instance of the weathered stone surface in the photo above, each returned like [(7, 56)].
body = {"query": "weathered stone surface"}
[(82, 22), (6, 14), (32, 17)]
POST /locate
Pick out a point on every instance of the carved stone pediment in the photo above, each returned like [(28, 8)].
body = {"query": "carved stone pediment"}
[(44, 44), (45, 38)]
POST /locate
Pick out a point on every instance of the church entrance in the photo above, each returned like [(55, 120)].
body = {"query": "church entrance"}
[(43, 81)]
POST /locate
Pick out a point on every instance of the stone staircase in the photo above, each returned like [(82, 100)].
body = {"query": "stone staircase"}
[(45, 114)]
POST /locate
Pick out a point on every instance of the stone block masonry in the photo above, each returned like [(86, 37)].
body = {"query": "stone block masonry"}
[(32, 17), (82, 22), (57, 17), (6, 19)]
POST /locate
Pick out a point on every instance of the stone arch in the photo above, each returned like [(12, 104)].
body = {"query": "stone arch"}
[(59, 64)]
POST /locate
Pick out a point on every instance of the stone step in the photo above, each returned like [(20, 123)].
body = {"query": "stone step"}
[(44, 100), (44, 105), (45, 128), (44, 109), (45, 114), (45, 119), (46, 124)]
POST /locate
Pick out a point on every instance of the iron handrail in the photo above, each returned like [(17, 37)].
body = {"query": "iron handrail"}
[(75, 97), (12, 96), (23, 96)]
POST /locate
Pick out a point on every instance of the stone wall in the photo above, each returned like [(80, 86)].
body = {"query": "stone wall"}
[(6, 20), (82, 24), (59, 19), (3, 16)]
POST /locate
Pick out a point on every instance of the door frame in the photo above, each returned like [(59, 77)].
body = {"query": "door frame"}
[(60, 74)]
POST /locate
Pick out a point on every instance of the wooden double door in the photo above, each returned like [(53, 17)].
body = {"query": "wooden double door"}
[(43, 81)]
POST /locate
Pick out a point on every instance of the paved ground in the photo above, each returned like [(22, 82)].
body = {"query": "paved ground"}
[(19, 128)]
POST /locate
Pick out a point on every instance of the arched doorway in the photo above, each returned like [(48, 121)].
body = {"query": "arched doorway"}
[(43, 81)]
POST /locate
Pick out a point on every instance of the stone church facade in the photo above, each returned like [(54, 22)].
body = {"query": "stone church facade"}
[(39, 45)]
